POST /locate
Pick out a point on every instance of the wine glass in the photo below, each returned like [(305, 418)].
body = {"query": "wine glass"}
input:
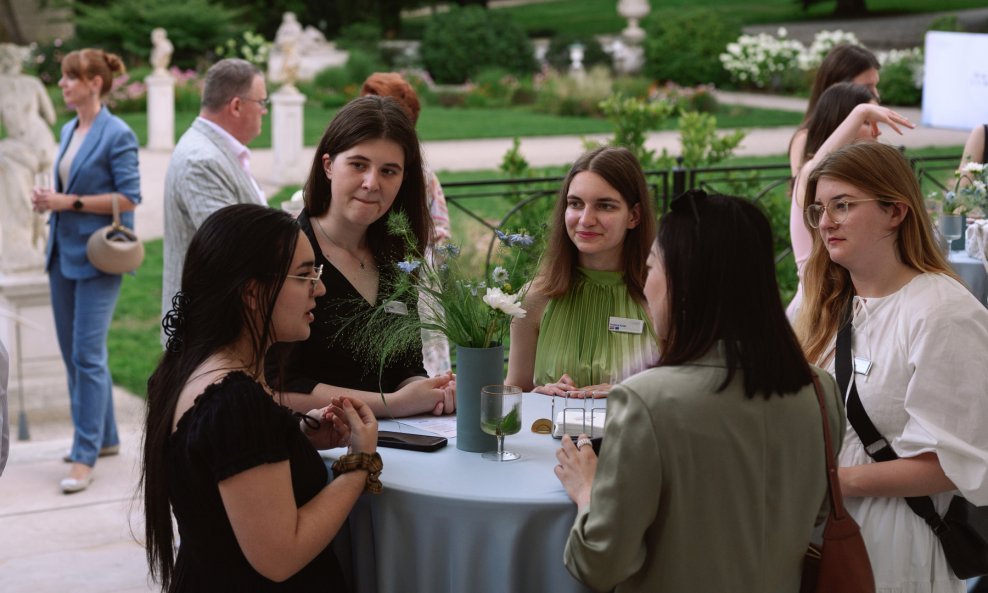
[(951, 227), (500, 415)]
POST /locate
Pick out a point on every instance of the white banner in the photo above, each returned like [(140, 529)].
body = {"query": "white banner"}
[(955, 80)]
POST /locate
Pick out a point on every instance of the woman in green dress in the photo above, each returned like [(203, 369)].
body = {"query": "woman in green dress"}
[(586, 325)]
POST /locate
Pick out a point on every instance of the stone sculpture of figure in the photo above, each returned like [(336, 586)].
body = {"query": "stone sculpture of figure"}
[(26, 112), (161, 50), (287, 40)]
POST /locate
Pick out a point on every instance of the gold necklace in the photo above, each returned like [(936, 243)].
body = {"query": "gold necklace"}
[(337, 245)]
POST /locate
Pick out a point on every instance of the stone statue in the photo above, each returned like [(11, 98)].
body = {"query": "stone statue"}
[(161, 50), (26, 113), (287, 40)]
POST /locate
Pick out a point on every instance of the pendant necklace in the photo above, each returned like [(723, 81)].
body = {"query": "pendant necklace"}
[(337, 245)]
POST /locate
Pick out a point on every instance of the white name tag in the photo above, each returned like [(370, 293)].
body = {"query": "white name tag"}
[(396, 307), (862, 366), (625, 326)]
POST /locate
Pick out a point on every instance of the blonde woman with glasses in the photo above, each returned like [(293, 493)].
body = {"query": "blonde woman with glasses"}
[(915, 353)]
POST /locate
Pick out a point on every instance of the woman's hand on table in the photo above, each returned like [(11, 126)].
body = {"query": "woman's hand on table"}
[(560, 387), (576, 468), (436, 395), (362, 424), (332, 430)]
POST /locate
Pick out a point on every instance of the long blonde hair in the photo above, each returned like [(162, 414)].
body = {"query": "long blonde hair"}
[(881, 171)]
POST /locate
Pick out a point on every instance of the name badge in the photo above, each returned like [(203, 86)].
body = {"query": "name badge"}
[(396, 307), (862, 366), (624, 325)]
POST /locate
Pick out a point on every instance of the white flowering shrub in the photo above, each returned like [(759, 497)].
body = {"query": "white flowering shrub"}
[(250, 46), (902, 76), (823, 42), (761, 60)]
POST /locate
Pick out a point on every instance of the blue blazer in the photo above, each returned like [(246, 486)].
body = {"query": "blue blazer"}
[(106, 163)]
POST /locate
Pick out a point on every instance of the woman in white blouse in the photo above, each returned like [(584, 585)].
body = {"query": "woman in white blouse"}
[(920, 342)]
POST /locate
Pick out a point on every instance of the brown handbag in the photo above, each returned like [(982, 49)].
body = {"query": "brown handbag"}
[(840, 564), (115, 249)]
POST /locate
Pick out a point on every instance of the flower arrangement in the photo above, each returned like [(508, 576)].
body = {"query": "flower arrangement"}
[(473, 312), (970, 198)]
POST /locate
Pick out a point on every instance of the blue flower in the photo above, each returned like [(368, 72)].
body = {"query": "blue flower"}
[(521, 239), (409, 266), (501, 236), (449, 250)]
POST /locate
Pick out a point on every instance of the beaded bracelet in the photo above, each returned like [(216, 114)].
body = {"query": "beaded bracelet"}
[(369, 461)]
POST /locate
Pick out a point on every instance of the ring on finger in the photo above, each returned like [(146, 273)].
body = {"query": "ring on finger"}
[(583, 441)]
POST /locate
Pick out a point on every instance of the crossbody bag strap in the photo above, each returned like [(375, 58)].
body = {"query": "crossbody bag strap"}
[(876, 446), (833, 485)]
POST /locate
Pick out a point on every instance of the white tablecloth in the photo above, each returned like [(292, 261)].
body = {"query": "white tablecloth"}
[(972, 272), (452, 522)]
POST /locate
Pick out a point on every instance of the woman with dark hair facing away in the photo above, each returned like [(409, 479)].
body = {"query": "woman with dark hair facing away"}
[(240, 472), (95, 167), (712, 470), (919, 341), (586, 325), (367, 165), (846, 113), (844, 63)]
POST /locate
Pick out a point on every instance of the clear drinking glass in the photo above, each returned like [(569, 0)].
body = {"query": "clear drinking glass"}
[(500, 415), (43, 180)]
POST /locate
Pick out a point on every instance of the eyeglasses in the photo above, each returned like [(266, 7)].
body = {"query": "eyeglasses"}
[(837, 210), (264, 103), (317, 270)]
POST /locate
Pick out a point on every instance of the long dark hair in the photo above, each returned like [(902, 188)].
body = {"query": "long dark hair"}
[(621, 170), (721, 286), (834, 106), (372, 118), (843, 64), (238, 248)]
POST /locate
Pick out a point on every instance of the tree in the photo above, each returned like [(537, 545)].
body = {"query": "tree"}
[(10, 29), (844, 8)]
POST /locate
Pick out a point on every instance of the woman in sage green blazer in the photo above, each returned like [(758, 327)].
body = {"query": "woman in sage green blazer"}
[(712, 472)]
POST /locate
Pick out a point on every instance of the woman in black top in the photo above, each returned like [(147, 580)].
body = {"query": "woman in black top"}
[(368, 164), (240, 472)]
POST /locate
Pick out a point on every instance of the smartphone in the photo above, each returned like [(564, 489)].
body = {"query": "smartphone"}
[(412, 442)]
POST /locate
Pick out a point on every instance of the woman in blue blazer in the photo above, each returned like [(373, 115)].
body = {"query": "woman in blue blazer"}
[(97, 163)]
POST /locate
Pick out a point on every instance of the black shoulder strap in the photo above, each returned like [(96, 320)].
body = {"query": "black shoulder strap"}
[(875, 444)]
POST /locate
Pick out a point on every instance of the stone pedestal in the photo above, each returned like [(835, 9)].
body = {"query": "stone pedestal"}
[(287, 140), (161, 111), (37, 381)]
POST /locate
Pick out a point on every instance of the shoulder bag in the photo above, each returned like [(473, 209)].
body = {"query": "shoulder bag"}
[(841, 562), (115, 249), (963, 530)]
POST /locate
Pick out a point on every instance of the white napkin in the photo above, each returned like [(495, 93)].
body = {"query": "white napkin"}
[(976, 240)]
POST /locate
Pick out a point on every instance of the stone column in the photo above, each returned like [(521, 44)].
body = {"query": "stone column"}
[(287, 140), (161, 111)]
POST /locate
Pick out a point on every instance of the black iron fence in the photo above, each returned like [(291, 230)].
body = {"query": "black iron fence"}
[(510, 203)]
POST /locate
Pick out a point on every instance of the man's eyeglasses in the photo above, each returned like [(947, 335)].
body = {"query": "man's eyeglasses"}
[(265, 103), (316, 270), (837, 210)]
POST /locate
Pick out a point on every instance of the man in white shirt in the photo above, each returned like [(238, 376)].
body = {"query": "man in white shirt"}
[(209, 168)]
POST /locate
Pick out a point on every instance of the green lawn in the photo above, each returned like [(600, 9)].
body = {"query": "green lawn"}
[(596, 17), (441, 123)]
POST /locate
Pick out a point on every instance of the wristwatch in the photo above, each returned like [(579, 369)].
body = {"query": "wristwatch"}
[(77, 204)]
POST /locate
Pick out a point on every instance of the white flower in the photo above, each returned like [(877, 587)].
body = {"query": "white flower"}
[(499, 275), (974, 167), (497, 299)]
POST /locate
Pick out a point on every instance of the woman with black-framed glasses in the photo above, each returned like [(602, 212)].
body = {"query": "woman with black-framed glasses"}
[(239, 470), (882, 302)]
